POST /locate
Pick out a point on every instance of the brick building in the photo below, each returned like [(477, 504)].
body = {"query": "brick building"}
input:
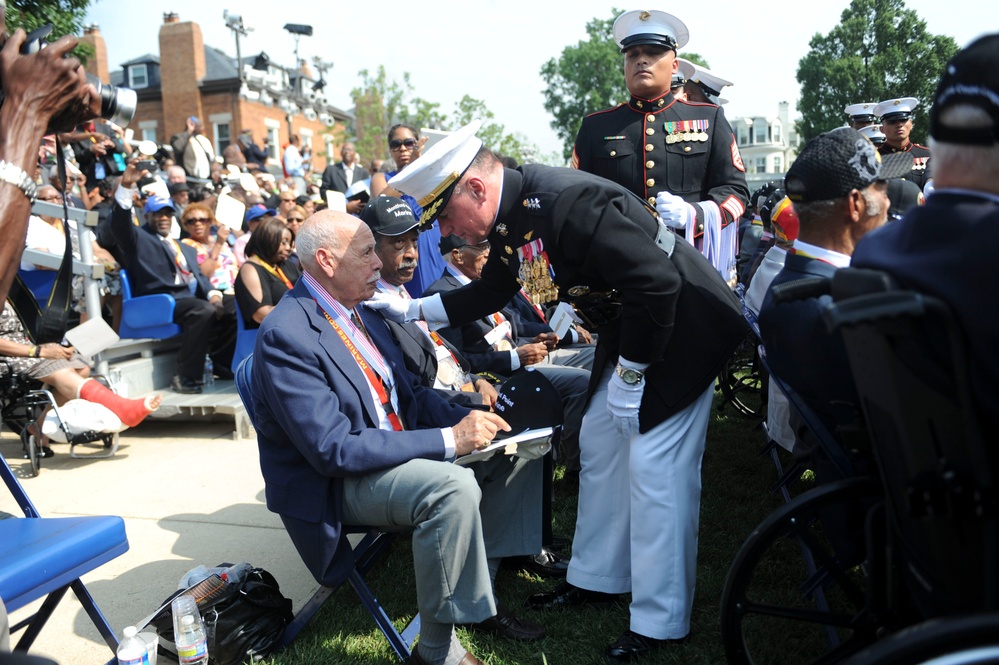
[(189, 78)]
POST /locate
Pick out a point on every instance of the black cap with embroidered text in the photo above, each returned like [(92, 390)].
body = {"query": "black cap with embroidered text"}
[(389, 216), (970, 78), (832, 164)]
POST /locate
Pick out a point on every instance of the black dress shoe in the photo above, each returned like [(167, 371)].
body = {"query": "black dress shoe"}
[(505, 624), (184, 385), (544, 564), (631, 647), (567, 595)]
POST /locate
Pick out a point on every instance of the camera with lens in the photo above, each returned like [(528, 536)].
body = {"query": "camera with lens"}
[(117, 103)]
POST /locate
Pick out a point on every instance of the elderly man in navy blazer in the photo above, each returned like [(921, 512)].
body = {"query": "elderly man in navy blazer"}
[(158, 263), (348, 436)]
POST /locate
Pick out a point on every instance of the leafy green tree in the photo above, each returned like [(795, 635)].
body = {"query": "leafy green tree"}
[(380, 103), (377, 102), (586, 78), (494, 136), (879, 50), (66, 17)]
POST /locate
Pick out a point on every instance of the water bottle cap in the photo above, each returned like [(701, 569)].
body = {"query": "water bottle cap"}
[(130, 631)]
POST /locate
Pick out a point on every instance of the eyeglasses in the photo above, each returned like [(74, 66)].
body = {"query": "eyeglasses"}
[(196, 220), (395, 144), (296, 219)]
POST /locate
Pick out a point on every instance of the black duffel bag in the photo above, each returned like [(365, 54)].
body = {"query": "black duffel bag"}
[(243, 621)]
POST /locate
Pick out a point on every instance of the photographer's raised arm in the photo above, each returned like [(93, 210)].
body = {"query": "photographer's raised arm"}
[(41, 91)]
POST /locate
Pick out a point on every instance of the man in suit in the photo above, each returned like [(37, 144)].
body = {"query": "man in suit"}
[(667, 323), (339, 177), (348, 436), (438, 363), (838, 186), (947, 247), (503, 342), (157, 263), (435, 361)]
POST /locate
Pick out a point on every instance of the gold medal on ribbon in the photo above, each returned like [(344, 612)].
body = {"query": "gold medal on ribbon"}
[(504, 345)]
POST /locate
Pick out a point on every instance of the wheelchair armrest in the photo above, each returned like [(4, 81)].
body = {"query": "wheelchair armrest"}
[(799, 289)]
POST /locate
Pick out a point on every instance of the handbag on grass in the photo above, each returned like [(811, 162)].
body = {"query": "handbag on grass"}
[(244, 617)]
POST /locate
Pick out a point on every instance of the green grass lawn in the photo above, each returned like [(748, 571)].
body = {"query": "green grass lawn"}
[(735, 499)]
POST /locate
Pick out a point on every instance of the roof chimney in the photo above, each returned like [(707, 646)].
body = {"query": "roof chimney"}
[(97, 64), (182, 67), (170, 17)]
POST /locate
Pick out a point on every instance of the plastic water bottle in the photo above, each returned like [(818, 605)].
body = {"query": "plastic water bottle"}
[(132, 649), (189, 632), (209, 371)]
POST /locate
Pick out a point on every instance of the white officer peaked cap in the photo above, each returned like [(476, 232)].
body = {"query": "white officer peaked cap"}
[(861, 111), (896, 108), (710, 83), (650, 26), (684, 69), (873, 134), (431, 178)]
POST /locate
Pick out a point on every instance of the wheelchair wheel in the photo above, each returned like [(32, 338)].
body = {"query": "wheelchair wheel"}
[(32, 451), (962, 640), (796, 595), (741, 381)]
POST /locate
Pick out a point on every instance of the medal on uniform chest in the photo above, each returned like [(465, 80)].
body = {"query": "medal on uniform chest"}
[(535, 274)]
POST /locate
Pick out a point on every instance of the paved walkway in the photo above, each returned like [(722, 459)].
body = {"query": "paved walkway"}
[(189, 495)]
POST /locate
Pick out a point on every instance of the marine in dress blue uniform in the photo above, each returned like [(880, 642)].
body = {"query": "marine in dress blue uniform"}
[(579, 237), (892, 112)]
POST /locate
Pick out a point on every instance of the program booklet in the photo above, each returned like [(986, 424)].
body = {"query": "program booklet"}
[(530, 443)]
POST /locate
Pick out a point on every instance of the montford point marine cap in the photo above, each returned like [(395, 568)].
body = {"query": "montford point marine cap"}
[(832, 164), (892, 109), (684, 70), (431, 178), (389, 216), (710, 83), (862, 112), (528, 400), (652, 27), (874, 134), (971, 77), (258, 211), (157, 203)]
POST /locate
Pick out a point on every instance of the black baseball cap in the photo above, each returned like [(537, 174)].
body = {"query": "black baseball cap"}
[(389, 216), (528, 400), (447, 243), (832, 164), (971, 77)]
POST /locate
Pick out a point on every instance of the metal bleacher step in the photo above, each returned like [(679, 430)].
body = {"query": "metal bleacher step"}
[(140, 367)]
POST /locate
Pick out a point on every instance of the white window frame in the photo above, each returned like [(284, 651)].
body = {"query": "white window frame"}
[(132, 70), (148, 130), (274, 135), (218, 119)]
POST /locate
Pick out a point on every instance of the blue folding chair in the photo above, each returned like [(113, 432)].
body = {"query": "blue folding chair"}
[(366, 554), (146, 316), (47, 556)]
